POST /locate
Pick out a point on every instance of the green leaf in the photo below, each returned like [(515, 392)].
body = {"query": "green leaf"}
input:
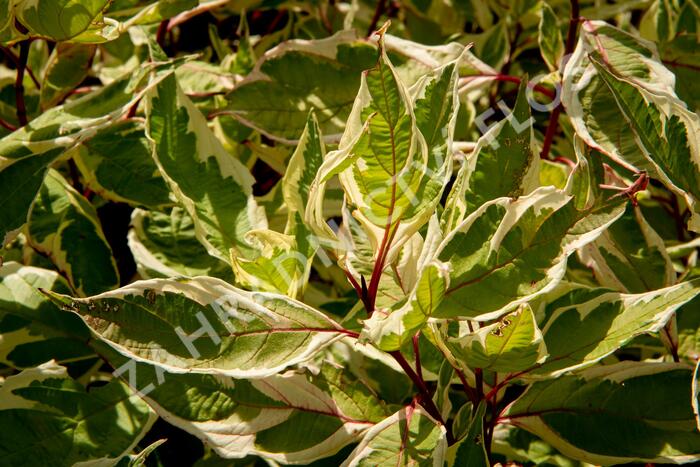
[(613, 414), (492, 46), (164, 244), (32, 329), (588, 99), (64, 226), (522, 446), (666, 133), (688, 321), (408, 437), (213, 186), (680, 57), (549, 37), (293, 417), (204, 325), (68, 66), (512, 344), (391, 329), (297, 76), (508, 251), (471, 449), (504, 163), (116, 163), (152, 12), (586, 325), (27, 152), (49, 418), (393, 165), (630, 256), (58, 20), (24, 177), (303, 166)]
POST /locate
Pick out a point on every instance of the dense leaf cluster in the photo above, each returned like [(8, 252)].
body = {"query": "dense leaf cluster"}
[(467, 236)]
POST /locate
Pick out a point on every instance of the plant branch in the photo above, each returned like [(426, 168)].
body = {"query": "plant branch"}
[(673, 348), (162, 31), (7, 125), (470, 391), (425, 399), (568, 49), (15, 59), (19, 83), (189, 14), (378, 12), (416, 352), (479, 376)]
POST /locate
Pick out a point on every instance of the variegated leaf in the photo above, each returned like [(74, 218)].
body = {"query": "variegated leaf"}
[(294, 417), (324, 74), (512, 344), (58, 20), (29, 151), (470, 450), (391, 329), (503, 163), (630, 256), (32, 329), (667, 134), (588, 100), (164, 244), (508, 251), (549, 37), (204, 325), (586, 325), (116, 163), (212, 185), (393, 163), (612, 414), (64, 226), (408, 437), (54, 420), (68, 66)]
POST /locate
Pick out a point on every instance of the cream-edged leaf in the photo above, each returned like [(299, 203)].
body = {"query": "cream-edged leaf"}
[(408, 437), (512, 344), (613, 414), (586, 325), (204, 325), (213, 186), (510, 251), (294, 417), (57, 421), (64, 226), (390, 329)]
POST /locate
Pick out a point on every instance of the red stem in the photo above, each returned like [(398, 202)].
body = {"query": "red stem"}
[(162, 30), (15, 59), (568, 49), (19, 83), (426, 400), (7, 125), (378, 11), (416, 352), (471, 393)]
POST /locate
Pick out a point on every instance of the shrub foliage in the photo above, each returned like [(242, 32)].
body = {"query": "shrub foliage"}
[(468, 237)]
